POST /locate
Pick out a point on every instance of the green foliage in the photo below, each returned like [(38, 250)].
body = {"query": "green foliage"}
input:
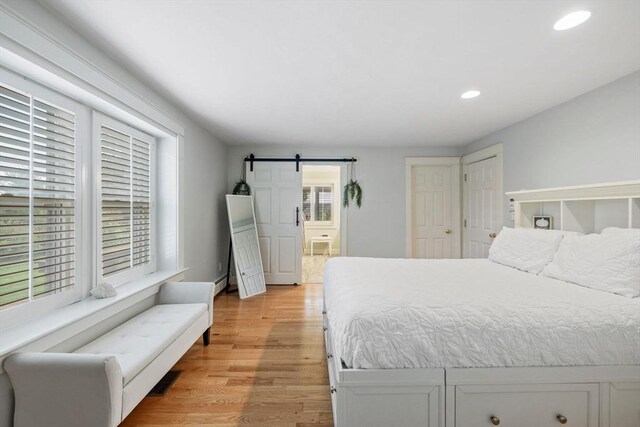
[(352, 191), (242, 188)]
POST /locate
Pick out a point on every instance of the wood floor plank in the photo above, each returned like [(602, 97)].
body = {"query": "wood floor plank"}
[(265, 367)]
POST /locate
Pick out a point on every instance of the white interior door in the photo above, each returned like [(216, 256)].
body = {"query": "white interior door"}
[(250, 276), (246, 250), (277, 193), (431, 213), (482, 207)]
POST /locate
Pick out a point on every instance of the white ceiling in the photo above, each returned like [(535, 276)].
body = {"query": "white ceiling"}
[(361, 72)]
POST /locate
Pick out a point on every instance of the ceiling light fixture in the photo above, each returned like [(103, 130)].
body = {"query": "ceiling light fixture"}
[(470, 94), (571, 20)]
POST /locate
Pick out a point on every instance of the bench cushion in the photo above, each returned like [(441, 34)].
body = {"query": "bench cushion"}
[(138, 341)]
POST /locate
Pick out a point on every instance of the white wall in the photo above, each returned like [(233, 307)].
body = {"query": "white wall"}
[(590, 139), (204, 205), (378, 228), (204, 158)]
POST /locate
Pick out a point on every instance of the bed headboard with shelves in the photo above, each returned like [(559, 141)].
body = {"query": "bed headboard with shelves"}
[(582, 208)]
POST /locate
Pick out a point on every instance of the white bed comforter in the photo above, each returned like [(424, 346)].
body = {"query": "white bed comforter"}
[(402, 313)]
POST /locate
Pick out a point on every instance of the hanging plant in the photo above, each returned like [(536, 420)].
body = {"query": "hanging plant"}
[(242, 187), (352, 191)]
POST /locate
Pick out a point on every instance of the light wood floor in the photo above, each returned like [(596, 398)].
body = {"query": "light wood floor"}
[(265, 366)]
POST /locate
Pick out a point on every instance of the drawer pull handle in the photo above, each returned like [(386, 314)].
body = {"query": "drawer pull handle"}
[(329, 355), (332, 389), (562, 419), (494, 420)]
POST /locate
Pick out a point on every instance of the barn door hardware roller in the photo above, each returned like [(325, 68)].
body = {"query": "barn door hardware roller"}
[(297, 159)]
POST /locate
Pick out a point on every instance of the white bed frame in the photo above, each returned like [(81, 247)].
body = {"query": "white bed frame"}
[(581, 396)]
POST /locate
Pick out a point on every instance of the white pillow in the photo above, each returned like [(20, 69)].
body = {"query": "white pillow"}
[(631, 231), (609, 261), (103, 290), (526, 249)]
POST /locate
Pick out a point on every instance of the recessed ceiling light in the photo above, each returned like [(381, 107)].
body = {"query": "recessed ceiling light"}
[(571, 20), (470, 94)]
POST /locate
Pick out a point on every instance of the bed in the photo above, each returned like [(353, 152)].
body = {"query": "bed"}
[(472, 313), (472, 342), (477, 342)]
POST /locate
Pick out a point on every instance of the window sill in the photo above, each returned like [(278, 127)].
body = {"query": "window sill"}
[(63, 323)]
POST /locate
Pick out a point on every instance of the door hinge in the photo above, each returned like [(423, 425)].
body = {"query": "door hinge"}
[(465, 222), (465, 177)]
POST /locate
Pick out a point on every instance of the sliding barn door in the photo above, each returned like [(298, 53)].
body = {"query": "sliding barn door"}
[(277, 193)]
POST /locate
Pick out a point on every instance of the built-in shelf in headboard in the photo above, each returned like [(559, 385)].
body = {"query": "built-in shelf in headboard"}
[(582, 208)]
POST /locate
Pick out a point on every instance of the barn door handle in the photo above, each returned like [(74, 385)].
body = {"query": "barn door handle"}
[(297, 216)]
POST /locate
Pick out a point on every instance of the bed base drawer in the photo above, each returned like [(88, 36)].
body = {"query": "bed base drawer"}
[(527, 405), (397, 406), (333, 374), (372, 398), (620, 404)]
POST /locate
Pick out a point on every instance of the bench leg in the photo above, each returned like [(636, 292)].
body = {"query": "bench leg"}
[(205, 336)]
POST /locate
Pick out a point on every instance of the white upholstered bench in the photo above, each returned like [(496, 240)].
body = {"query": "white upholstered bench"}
[(102, 382)]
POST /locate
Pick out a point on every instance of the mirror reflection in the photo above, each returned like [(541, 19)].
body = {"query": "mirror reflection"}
[(246, 248)]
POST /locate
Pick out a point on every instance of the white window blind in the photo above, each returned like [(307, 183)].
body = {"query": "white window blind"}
[(323, 198), (37, 198), (317, 203), (125, 163), (141, 202), (306, 203)]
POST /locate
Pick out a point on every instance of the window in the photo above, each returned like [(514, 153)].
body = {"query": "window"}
[(317, 203), (44, 199), (38, 207), (77, 196), (125, 203)]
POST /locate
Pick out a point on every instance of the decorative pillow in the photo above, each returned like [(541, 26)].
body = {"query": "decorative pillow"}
[(609, 261), (526, 249), (631, 231)]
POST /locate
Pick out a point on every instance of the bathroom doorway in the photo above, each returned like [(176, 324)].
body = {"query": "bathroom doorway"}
[(321, 210)]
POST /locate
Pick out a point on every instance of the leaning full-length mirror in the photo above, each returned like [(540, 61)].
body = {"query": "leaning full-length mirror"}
[(246, 249)]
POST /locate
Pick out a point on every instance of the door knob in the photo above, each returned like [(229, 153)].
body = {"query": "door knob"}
[(562, 419), (243, 273), (448, 231), (492, 235), (494, 420)]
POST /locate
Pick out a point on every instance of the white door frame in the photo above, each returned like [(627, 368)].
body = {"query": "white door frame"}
[(344, 211), (456, 218), (344, 178), (477, 156)]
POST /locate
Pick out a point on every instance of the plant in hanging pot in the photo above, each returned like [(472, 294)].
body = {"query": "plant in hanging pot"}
[(352, 190), (242, 188)]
